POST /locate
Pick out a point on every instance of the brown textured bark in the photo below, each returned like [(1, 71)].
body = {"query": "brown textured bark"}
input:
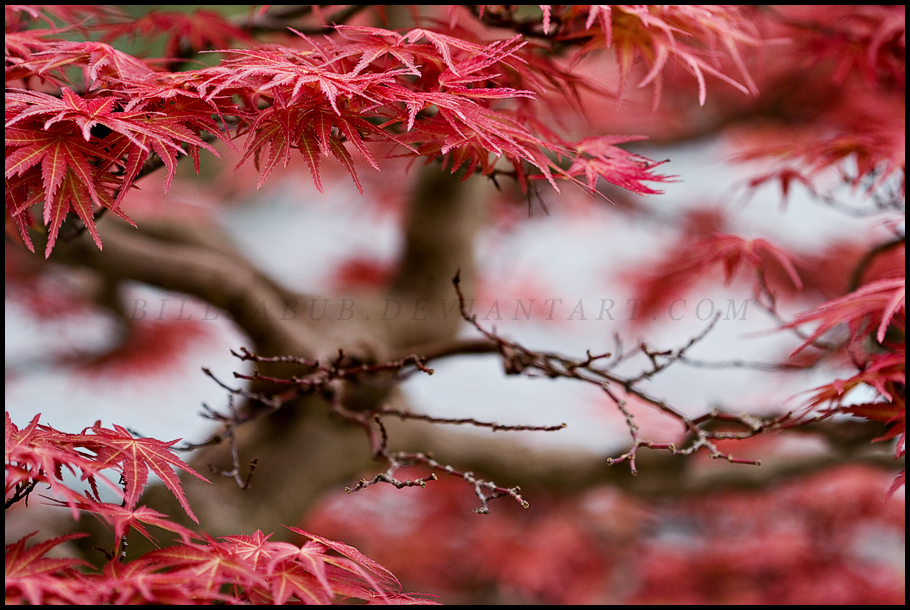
[(302, 449)]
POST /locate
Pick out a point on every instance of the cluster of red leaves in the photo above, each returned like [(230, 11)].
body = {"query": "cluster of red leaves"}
[(802, 542), (80, 145), (233, 569), (694, 37), (38, 454), (807, 542), (184, 32), (869, 312), (696, 257), (855, 56), (874, 315), (688, 34)]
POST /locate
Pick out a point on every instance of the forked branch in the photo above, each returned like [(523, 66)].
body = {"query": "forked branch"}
[(596, 369)]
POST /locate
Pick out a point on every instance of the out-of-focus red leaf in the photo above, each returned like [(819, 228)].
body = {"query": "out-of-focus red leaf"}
[(879, 302), (30, 577)]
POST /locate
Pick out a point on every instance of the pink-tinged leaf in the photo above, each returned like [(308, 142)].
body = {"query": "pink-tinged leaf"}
[(213, 564), (28, 572), (83, 208), (353, 136), (349, 552), (271, 134), (311, 557), (279, 149), (123, 519), (440, 41), (134, 457), (545, 8), (761, 245), (322, 125), (880, 411), (32, 151), (603, 14), (73, 194), (53, 168), (39, 453), (898, 483), (882, 374), (255, 549), (880, 300), (342, 154), (490, 93), (894, 305), (309, 148), (289, 580)]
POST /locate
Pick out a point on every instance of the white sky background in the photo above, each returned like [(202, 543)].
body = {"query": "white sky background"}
[(569, 256)]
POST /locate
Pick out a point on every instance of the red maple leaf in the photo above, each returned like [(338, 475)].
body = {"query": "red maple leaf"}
[(877, 302), (97, 59), (123, 518), (31, 577), (690, 260), (352, 560), (600, 157), (658, 34), (317, 99), (74, 163), (213, 564), (196, 31), (134, 457), (142, 581), (67, 178), (39, 454)]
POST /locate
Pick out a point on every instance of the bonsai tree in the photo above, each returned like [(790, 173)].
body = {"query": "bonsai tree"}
[(453, 120)]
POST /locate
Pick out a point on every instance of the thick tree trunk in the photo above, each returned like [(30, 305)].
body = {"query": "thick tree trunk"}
[(302, 449)]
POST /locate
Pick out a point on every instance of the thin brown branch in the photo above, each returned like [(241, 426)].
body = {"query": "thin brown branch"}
[(519, 360)]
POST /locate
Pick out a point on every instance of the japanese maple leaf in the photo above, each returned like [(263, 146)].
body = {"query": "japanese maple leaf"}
[(213, 564), (352, 560), (878, 301), (31, 577), (67, 176), (97, 59), (377, 43), (255, 549), (474, 68), (657, 34), (311, 559), (311, 572), (86, 113), (600, 157), (123, 518), (299, 75), (732, 251), (887, 375), (39, 454), (142, 581), (893, 414), (883, 373), (164, 136), (74, 164), (444, 45), (134, 457), (691, 259), (280, 129), (199, 30)]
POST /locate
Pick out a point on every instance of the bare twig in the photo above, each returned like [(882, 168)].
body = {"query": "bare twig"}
[(327, 380), (517, 359)]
